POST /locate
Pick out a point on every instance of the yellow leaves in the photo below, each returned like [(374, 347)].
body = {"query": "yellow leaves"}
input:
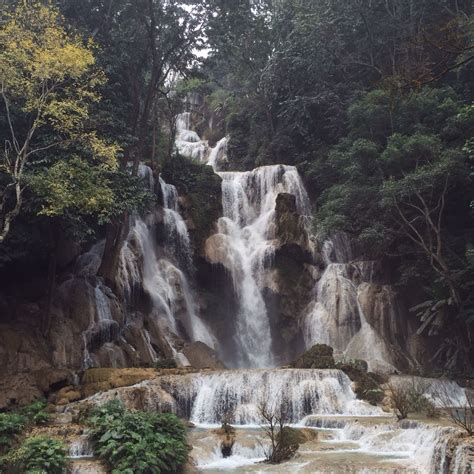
[(45, 69), (105, 152), (74, 186)]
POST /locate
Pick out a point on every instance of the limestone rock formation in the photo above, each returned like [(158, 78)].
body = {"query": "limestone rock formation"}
[(201, 356)]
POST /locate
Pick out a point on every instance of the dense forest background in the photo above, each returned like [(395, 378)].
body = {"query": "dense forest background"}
[(372, 100)]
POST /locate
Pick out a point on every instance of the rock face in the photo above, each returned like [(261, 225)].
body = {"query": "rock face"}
[(290, 227)]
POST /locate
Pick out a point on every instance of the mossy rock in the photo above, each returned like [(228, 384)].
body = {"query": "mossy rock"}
[(318, 357), (367, 384), (200, 188)]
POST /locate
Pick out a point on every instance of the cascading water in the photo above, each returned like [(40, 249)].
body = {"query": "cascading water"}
[(187, 142), (246, 236), (176, 232), (173, 303), (218, 154), (335, 316), (238, 395)]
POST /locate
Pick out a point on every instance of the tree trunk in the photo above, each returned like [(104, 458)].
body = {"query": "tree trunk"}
[(54, 235), (115, 234)]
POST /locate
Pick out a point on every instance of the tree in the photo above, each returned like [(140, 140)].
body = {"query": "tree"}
[(283, 442), (48, 81), (144, 44)]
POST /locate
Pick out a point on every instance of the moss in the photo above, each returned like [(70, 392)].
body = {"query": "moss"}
[(367, 384), (202, 189), (318, 357)]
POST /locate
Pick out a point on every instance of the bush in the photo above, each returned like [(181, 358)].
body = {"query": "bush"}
[(11, 425), (367, 384), (138, 442), (35, 413), (37, 455), (284, 441)]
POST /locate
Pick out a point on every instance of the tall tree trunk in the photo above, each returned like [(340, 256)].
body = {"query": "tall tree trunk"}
[(54, 231), (115, 234)]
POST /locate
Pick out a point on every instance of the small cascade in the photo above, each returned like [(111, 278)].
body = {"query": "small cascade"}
[(187, 142), (101, 324), (420, 447), (176, 232), (237, 395), (335, 316), (218, 154), (81, 447), (242, 455)]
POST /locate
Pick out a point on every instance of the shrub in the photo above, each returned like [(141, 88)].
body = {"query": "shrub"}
[(37, 455), (138, 442), (35, 413), (11, 424), (284, 441)]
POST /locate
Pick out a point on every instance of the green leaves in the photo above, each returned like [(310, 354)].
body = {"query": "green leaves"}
[(39, 454), (138, 442)]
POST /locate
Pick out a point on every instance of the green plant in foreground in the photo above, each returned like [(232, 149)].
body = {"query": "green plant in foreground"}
[(38, 454), (138, 442), (11, 424), (35, 413)]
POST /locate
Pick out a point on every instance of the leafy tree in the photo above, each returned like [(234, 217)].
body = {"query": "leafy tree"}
[(47, 83), (144, 44)]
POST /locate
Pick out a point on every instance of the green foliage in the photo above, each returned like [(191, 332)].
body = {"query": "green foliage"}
[(11, 425), (138, 442), (201, 186), (38, 454)]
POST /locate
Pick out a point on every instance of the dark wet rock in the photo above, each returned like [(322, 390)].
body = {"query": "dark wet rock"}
[(320, 356)]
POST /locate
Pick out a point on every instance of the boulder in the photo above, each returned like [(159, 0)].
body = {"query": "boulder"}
[(320, 356), (201, 356)]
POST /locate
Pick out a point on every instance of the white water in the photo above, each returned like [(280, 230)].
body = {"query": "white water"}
[(335, 316), (218, 154), (167, 285), (187, 142), (176, 233), (245, 245), (207, 398)]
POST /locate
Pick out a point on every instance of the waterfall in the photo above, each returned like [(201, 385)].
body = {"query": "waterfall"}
[(246, 236), (176, 232), (218, 154), (208, 398), (187, 142), (141, 265), (335, 316)]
